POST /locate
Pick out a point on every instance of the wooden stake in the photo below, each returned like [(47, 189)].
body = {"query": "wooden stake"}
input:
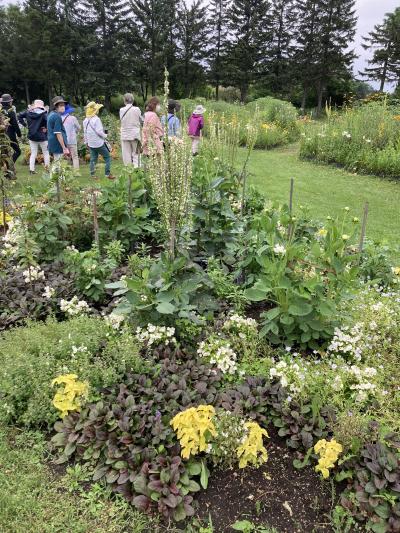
[(291, 195), (95, 220), (363, 228), (3, 205)]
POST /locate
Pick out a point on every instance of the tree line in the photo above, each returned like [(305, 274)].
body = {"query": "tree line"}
[(295, 49)]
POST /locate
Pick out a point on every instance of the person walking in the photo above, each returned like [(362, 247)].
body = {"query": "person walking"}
[(56, 134), (72, 128), (13, 132), (96, 139), (131, 121), (152, 129), (35, 119), (174, 124), (195, 125)]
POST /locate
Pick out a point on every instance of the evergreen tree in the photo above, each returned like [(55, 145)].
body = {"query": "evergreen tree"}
[(218, 24), (192, 32), (107, 19), (249, 25), (384, 41), (278, 61)]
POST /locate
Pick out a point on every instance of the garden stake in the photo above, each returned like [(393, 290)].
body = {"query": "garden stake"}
[(363, 228), (130, 195), (290, 228), (58, 190), (3, 205), (95, 219)]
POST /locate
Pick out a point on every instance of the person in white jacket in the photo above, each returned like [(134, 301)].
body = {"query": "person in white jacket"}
[(95, 138), (131, 121)]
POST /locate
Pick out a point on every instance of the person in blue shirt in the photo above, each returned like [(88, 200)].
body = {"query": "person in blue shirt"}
[(174, 124), (56, 134)]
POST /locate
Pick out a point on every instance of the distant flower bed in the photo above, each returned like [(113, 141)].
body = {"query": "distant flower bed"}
[(365, 139)]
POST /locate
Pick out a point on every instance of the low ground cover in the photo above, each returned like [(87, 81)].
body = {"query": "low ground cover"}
[(186, 336)]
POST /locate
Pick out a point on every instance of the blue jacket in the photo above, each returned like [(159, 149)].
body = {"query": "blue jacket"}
[(36, 121), (55, 125)]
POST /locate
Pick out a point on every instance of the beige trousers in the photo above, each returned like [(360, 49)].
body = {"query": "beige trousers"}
[(130, 154), (195, 144), (73, 150)]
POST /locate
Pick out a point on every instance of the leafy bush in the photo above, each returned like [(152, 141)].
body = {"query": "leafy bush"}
[(31, 357), (364, 139)]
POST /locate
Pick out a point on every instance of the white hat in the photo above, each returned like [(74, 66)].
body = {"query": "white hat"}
[(199, 110), (38, 104)]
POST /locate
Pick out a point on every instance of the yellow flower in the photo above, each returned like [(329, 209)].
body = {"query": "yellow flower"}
[(396, 271), (329, 453), (193, 426), (252, 450), (69, 397), (322, 232), (345, 237)]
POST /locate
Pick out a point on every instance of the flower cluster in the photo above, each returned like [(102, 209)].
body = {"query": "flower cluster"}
[(347, 342), (114, 320), (194, 427), (252, 448), (154, 335), (70, 397), (358, 380), (48, 292), (33, 273), (231, 431), (240, 325), (74, 306), (346, 134), (219, 352), (279, 249), (291, 376), (329, 452)]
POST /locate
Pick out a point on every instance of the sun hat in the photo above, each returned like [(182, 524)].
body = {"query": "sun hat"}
[(92, 109), (58, 100), (6, 98), (199, 110), (68, 110), (38, 104)]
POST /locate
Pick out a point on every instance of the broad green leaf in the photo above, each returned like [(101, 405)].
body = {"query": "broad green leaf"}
[(165, 308)]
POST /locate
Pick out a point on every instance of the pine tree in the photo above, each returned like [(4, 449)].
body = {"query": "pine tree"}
[(156, 42), (218, 24), (249, 26), (278, 61), (192, 32), (384, 41), (107, 19)]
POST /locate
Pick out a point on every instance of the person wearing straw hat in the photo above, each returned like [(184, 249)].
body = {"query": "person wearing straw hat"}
[(195, 125), (72, 127), (13, 131), (56, 134), (96, 139), (35, 119)]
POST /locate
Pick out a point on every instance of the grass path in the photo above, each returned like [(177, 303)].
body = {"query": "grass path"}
[(326, 190)]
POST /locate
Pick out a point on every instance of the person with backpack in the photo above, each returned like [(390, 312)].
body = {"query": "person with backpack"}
[(13, 131), (96, 139), (72, 128), (35, 119), (195, 125), (131, 121), (174, 124), (56, 134)]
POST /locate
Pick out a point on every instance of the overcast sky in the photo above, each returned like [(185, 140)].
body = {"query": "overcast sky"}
[(370, 12)]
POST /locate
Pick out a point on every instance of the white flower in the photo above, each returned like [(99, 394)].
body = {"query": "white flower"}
[(74, 307), (114, 320), (48, 292), (33, 273), (279, 249)]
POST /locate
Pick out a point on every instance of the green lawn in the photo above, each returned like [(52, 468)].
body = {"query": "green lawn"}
[(326, 190)]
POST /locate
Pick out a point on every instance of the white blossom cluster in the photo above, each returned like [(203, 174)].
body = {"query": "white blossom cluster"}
[(154, 335), (243, 326), (290, 375), (218, 352), (114, 320), (12, 238), (346, 134), (357, 379), (74, 307), (279, 249), (347, 342), (75, 350), (49, 292), (33, 273)]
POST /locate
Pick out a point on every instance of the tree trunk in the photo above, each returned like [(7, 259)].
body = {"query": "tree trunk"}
[(303, 101), (320, 92), (27, 95)]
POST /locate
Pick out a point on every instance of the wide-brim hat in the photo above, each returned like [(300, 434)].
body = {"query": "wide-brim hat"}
[(6, 98), (38, 104), (92, 109), (199, 110), (58, 100), (68, 109)]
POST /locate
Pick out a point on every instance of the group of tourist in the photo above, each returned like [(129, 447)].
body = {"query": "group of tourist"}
[(56, 132)]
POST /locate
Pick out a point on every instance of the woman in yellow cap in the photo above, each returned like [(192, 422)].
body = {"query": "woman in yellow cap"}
[(95, 139)]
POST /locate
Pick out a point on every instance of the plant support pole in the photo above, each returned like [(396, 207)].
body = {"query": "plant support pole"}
[(363, 228), (290, 228), (3, 205), (95, 219)]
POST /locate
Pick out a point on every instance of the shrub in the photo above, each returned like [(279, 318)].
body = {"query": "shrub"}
[(31, 357)]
